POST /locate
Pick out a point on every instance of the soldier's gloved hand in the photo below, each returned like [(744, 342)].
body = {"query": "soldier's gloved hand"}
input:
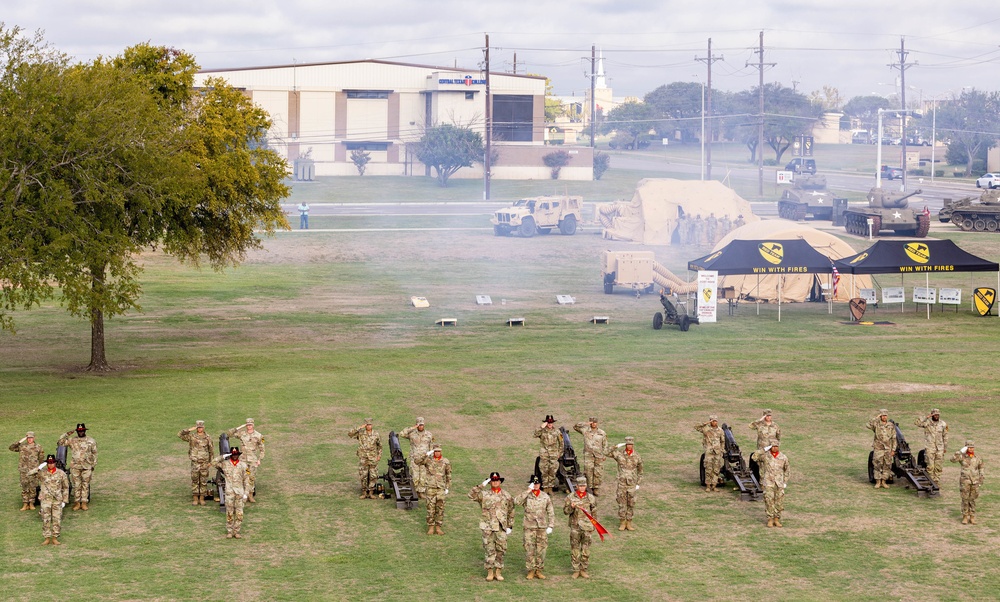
[(637, 488), (785, 486), (964, 449), (620, 445), (446, 492), (244, 498), (548, 531), (508, 529), (486, 482), (226, 456), (430, 452), (63, 505), (42, 465), (768, 448)]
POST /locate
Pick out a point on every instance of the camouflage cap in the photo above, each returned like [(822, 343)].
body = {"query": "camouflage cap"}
[(883, 412), (629, 440), (713, 418), (436, 447), (420, 419), (249, 420), (767, 412), (774, 443), (369, 421), (936, 412), (593, 419), (581, 481), (199, 423), (969, 443), (30, 434)]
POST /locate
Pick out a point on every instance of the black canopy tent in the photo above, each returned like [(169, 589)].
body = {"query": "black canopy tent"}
[(764, 258), (915, 257)]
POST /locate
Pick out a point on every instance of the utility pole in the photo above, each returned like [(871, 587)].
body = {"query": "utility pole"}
[(760, 118), (489, 127), (593, 93), (903, 66), (708, 109)]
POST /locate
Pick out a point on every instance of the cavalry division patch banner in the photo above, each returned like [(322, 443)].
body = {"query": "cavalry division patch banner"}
[(983, 299), (858, 306)]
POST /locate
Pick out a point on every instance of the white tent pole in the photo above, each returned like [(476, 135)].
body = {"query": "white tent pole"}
[(902, 306), (758, 294), (779, 297), (927, 284)]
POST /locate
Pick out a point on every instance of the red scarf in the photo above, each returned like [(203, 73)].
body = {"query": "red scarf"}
[(774, 453), (629, 451), (536, 491), (581, 494), (52, 468), (235, 462), (495, 489)]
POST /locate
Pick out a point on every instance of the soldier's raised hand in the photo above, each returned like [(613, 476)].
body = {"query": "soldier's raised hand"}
[(508, 530), (42, 465), (548, 531), (620, 445), (430, 452), (637, 488), (446, 492), (486, 482), (964, 449)]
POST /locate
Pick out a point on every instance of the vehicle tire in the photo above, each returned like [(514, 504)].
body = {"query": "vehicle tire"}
[(499, 231), (980, 225), (527, 228), (683, 322), (978, 185), (544, 230), (967, 224), (568, 225), (701, 470), (871, 467), (657, 321), (991, 225)]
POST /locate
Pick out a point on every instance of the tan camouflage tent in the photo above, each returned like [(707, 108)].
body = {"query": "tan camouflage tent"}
[(651, 216), (794, 287)]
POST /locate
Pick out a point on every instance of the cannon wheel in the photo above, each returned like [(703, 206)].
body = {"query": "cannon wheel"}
[(755, 469), (657, 321), (684, 322), (701, 470), (922, 459), (871, 467)]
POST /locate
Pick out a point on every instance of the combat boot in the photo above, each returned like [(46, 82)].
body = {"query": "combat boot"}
[(770, 522), (621, 525), (24, 506), (237, 536), (538, 574), (497, 575), (430, 530), (364, 495), (55, 541), (584, 575), (83, 506), (629, 526), (777, 522), (489, 575), (76, 506), (530, 575), (229, 535), (31, 505), (965, 519), (972, 519), (251, 499), (878, 484), (47, 541), (194, 500), (201, 500), (438, 530), (576, 574)]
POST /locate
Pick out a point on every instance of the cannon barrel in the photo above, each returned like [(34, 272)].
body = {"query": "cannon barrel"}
[(886, 200), (394, 447)]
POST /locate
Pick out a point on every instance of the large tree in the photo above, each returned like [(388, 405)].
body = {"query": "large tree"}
[(787, 114), (631, 119), (448, 148), (972, 122), (100, 161), (863, 111), (677, 108)]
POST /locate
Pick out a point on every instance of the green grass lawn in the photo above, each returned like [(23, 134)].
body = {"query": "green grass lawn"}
[(317, 333)]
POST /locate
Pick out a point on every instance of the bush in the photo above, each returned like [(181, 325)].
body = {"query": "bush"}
[(360, 159), (916, 172), (602, 161), (938, 173), (556, 160), (770, 162)]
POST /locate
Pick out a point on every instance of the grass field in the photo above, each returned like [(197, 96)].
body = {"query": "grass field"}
[(317, 333)]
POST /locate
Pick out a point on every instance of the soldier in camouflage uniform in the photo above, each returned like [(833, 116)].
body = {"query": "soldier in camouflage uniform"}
[(935, 442), (253, 451), (30, 455), (549, 452), (595, 450), (629, 476), (699, 230), (883, 446), (81, 469), (725, 225), (237, 475), (714, 444), (369, 455), (539, 519), (712, 228), (766, 429), (970, 480), (494, 522), (774, 480), (420, 443), (437, 482), (740, 222), (52, 498), (580, 527), (200, 454)]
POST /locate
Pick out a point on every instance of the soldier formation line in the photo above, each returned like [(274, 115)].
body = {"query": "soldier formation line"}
[(47, 481)]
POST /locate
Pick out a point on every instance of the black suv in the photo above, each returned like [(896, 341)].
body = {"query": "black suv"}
[(799, 165)]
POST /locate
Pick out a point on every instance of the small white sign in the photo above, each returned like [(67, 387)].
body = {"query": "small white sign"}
[(950, 296), (708, 304), (924, 295), (893, 294), (784, 177), (868, 294)]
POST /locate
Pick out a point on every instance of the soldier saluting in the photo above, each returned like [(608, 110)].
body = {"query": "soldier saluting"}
[(495, 522), (52, 497), (420, 443), (369, 454), (539, 519), (714, 443), (549, 451), (437, 481), (200, 454), (935, 442), (883, 447), (595, 450), (970, 480), (29, 456), (237, 475), (766, 429), (774, 480), (629, 476), (253, 449), (81, 469)]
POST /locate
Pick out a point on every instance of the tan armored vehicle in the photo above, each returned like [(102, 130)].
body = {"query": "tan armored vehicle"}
[(808, 195), (970, 216), (538, 215), (887, 210)]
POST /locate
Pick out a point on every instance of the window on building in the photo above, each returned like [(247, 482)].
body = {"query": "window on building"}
[(367, 146), (470, 96), (513, 117), (378, 94)]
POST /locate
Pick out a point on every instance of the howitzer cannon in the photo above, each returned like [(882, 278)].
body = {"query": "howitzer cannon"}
[(906, 466), (398, 477), (568, 470), (735, 467), (670, 315)]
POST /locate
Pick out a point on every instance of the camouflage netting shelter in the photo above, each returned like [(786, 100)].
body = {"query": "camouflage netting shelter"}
[(651, 216), (794, 287)]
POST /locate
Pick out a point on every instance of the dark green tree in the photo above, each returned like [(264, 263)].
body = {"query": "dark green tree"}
[(448, 148), (631, 120), (677, 108), (972, 122)]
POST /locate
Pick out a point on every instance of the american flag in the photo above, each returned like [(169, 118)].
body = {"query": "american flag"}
[(836, 281)]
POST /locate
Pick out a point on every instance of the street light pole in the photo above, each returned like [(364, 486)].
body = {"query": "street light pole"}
[(702, 131)]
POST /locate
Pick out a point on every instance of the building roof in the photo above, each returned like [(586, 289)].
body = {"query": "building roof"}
[(355, 62)]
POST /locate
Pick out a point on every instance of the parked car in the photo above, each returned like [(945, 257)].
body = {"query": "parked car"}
[(891, 173), (800, 165), (990, 180)]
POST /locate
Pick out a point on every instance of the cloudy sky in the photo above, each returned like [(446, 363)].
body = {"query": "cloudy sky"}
[(847, 44)]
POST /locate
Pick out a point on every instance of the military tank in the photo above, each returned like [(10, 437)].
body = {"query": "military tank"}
[(808, 195), (888, 211), (969, 216)]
